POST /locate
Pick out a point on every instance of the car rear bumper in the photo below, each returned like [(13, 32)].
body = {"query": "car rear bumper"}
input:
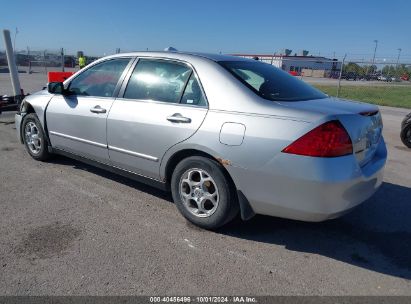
[(17, 121), (309, 188)]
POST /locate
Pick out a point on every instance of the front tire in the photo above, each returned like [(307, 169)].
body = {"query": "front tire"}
[(202, 192), (34, 138)]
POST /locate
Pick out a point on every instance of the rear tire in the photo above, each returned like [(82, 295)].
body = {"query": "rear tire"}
[(406, 135), (34, 138), (202, 192)]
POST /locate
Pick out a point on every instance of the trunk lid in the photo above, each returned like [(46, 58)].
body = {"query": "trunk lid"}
[(361, 120)]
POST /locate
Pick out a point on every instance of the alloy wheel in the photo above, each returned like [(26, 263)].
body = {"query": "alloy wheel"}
[(32, 137), (199, 192)]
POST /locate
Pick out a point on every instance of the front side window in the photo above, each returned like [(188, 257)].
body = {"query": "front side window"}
[(270, 82), (99, 80), (158, 80)]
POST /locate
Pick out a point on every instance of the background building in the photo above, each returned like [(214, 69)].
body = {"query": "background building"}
[(309, 66)]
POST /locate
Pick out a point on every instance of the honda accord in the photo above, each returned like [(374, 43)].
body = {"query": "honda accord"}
[(226, 135)]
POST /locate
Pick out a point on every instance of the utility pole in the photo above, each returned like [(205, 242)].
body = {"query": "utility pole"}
[(373, 58), (62, 59), (28, 56), (14, 46), (375, 51), (399, 53), (14, 42), (398, 61), (272, 58), (339, 77)]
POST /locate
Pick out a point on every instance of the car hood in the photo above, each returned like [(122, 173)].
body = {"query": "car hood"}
[(42, 92)]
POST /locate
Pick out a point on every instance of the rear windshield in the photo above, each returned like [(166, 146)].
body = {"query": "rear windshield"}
[(270, 82)]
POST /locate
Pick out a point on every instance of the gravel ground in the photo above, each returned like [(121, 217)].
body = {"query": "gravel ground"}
[(70, 229)]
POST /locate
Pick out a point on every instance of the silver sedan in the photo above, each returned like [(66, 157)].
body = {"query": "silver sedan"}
[(228, 136)]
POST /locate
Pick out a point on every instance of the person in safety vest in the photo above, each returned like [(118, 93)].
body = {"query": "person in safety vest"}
[(82, 61)]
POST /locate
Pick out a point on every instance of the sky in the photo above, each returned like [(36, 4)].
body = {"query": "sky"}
[(255, 26)]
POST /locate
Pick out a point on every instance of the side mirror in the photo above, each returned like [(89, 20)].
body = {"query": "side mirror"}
[(55, 88)]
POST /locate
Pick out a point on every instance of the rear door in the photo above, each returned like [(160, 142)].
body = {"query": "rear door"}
[(161, 105), (77, 121)]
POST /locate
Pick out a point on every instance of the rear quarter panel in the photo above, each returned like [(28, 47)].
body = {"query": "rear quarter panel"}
[(264, 137)]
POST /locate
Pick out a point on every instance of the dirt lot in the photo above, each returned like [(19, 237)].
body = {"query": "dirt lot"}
[(69, 229)]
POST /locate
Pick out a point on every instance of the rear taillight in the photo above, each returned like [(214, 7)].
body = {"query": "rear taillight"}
[(327, 140)]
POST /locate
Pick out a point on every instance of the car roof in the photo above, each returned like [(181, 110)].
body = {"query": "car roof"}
[(183, 55)]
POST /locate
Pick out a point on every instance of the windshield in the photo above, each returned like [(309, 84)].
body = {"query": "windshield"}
[(270, 82)]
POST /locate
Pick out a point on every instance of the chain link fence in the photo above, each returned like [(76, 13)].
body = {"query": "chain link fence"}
[(34, 64), (378, 81), (35, 60)]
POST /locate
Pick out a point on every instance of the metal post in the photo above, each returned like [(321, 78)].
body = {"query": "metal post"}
[(15, 35), (398, 58), (28, 57), (339, 78), (375, 51), (12, 64), (14, 44), (44, 61), (62, 59)]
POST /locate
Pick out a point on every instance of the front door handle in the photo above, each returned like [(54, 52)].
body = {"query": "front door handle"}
[(98, 109), (177, 117)]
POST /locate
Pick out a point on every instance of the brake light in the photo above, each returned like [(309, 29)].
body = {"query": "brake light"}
[(327, 140)]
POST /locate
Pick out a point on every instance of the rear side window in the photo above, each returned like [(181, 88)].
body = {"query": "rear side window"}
[(270, 82), (99, 80), (158, 80), (193, 95)]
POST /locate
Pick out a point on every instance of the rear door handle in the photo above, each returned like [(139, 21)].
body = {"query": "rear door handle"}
[(98, 109), (177, 117)]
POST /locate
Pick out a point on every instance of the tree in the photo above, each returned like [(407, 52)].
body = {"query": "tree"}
[(370, 69), (352, 67)]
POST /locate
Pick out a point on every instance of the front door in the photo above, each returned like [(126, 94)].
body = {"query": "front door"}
[(161, 105), (77, 120)]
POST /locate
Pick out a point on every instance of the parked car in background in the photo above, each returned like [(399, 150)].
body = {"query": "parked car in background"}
[(370, 77), (334, 74), (382, 78), (405, 77), (226, 135), (350, 76)]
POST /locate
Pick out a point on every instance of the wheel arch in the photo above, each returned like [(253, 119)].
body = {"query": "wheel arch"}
[(28, 108), (246, 211), (178, 156), (25, 108)]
